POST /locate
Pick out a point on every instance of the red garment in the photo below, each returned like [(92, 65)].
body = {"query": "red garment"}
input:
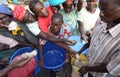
[(19, 13), (43, 22), (26, 71)]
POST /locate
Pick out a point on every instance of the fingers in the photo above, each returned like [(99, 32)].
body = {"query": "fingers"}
[(67, 58), (23, 62), (21, 59)]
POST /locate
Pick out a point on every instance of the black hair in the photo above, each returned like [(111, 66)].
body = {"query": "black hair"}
[(57, 15), (32, 4), (117, 2), (65, 3)]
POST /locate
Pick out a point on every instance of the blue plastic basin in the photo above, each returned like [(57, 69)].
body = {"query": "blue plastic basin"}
[(54, 56), (23, 50)]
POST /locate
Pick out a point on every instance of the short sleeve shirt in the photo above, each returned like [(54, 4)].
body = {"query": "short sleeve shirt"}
[(88, 19), (44, 23), (34, 28), (105, 48)]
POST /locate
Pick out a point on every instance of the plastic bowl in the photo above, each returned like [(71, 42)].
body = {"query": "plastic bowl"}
[(54, 56), (23, 50)]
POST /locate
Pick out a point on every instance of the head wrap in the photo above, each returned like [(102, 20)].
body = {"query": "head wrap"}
[(19, 13), (4, 9)]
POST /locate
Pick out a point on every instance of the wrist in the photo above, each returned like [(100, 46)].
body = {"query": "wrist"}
[(11, 66)]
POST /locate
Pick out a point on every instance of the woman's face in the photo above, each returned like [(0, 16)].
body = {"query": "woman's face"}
[(91, 4), (67, 7)]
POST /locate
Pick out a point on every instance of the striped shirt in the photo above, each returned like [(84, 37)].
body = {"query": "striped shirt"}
[(105, 48)]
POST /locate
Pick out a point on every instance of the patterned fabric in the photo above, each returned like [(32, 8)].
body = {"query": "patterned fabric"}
[(19, 13), (64, 32), (71, 20), (105, 48)]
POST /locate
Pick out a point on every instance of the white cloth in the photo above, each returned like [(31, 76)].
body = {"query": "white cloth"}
[(12, 26), (34, 28), (9, 41), (88, 19), (3, 2)]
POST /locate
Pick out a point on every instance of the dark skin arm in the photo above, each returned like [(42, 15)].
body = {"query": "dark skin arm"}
[(84, 36), (49, 38), (17, 63), (101, 68), (80, 28), (65, 46), (41, 60), (85, 46)]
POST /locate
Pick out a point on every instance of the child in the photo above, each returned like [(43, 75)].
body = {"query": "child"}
[(43, 14)]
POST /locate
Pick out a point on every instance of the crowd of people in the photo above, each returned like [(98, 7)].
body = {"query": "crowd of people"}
[(96, 22)]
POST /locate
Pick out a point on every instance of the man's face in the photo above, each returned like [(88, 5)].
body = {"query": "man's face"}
[(56, 25), (91, 4), (4, 19), (109, 11), (67, 7), (40, 10)]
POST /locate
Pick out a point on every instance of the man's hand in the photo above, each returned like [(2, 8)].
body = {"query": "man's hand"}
[(84, 37), (84, 69), (20, 62)]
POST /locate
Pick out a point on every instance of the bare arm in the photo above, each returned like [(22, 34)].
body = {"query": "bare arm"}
[(17, 63), (85, 46), (5, 71), (41, 59), (49, 38), (65, 46), (101, 68), (80, 28)]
